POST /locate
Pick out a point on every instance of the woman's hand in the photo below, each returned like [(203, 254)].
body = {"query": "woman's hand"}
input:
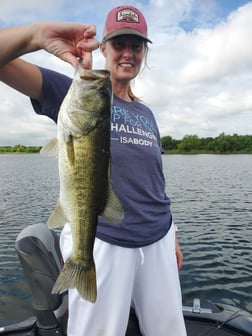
[(69, 41), (179, 253)]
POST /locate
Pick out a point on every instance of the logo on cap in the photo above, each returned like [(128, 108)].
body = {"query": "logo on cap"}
[(127, 15)]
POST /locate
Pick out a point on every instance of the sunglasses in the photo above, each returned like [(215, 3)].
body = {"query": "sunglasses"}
[(134, 44)]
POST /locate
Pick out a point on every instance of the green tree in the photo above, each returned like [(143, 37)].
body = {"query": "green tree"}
[(169, 143), (189, 143)]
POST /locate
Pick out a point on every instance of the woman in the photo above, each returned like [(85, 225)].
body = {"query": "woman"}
[(135, 261)]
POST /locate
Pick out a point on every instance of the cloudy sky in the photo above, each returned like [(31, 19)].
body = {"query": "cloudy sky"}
[(199, 75)]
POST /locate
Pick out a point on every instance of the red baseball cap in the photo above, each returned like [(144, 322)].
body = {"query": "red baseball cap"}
[(125, 20)]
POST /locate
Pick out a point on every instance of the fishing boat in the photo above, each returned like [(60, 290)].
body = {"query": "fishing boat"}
[(39, 254)]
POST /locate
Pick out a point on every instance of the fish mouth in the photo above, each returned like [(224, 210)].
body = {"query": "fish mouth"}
[(93, 74), (92, 79)]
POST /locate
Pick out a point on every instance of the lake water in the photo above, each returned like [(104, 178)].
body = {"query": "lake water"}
[(211, 203)]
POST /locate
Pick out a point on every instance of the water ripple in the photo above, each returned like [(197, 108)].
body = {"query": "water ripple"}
[(211, 203)]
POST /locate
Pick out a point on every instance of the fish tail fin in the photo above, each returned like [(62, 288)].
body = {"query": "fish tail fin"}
[(77, 276), (86, 283)]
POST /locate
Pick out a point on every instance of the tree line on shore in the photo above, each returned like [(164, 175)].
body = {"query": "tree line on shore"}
[(219, 145), (190, 144), (20, 149), (223, 144)]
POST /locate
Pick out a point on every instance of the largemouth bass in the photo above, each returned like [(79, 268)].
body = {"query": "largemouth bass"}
[(83, 136)]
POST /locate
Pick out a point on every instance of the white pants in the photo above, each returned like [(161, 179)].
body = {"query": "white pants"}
[(146, 278)]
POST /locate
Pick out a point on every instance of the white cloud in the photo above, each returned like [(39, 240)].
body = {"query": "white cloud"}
[(22, 11), (201, 76), (222, 51)]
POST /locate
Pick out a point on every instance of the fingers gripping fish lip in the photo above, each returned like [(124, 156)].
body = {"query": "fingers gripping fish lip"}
[(91, 75)]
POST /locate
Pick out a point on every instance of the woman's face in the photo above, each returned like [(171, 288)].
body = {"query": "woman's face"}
[(124, 56)]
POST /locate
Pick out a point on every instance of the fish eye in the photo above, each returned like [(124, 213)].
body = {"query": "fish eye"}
[(103, 92)]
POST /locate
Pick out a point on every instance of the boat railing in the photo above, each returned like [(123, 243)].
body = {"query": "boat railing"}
[(196, 308)]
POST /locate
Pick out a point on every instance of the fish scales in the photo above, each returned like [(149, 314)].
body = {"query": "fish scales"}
[(84, 170)]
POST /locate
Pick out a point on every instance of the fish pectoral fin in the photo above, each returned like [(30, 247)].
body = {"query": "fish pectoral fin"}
[(57, 217), (69, 143), (51, 149), (70, 151), (113, 211)]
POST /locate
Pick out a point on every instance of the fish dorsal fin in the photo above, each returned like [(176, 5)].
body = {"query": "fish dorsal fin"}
[(51, 149), (113, 211), (57, 217)]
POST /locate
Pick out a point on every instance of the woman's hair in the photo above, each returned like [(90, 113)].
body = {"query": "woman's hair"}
[(130, 93)]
